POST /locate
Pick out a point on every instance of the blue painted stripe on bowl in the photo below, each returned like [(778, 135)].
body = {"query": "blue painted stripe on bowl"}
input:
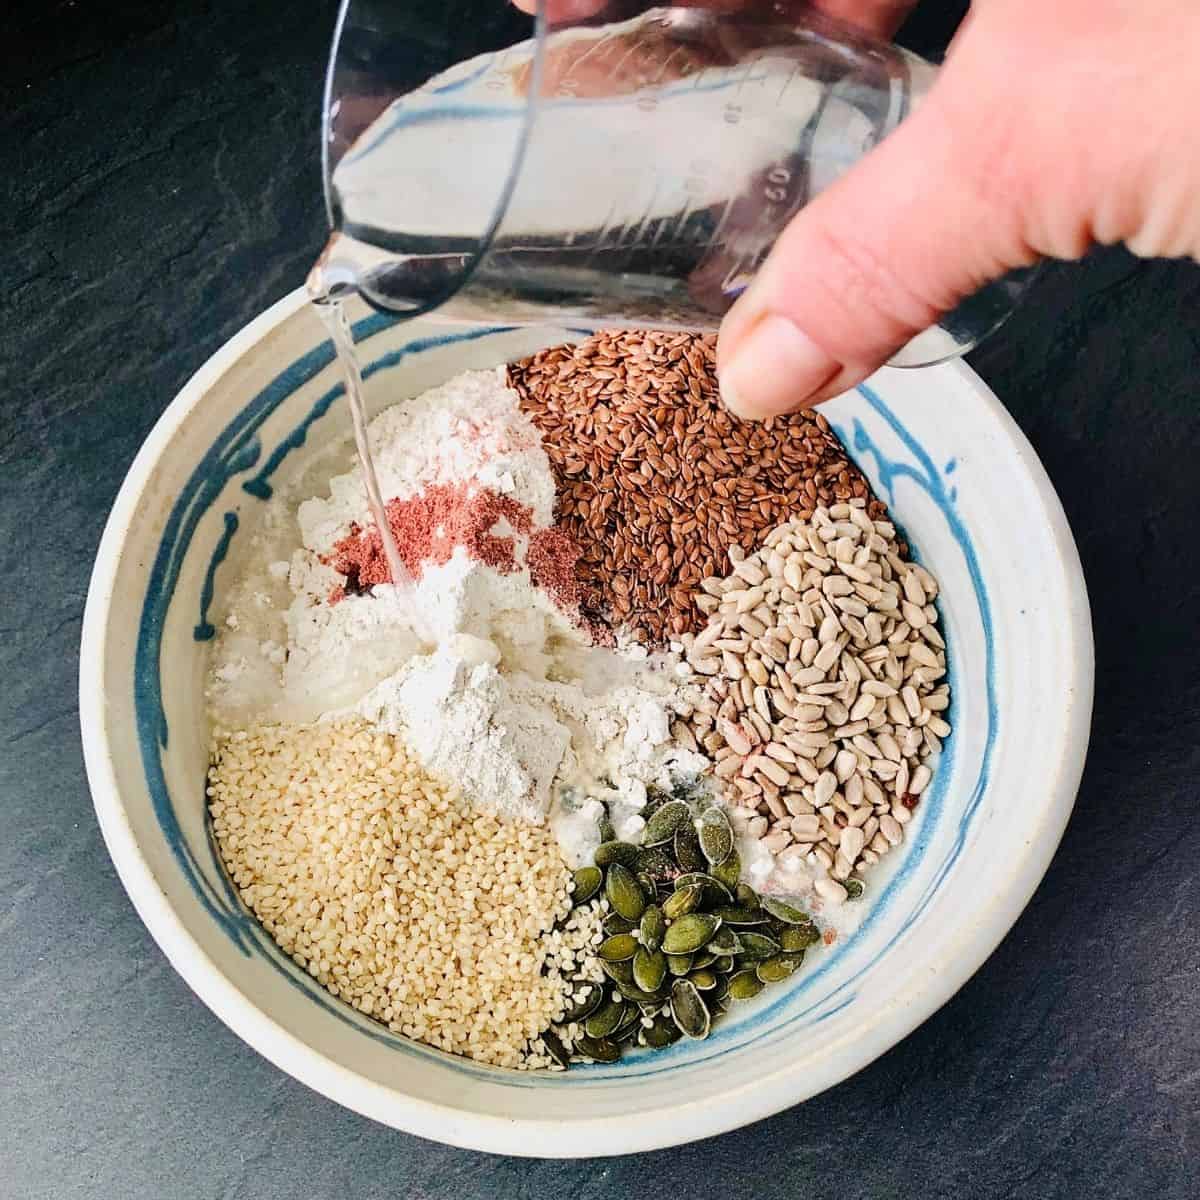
[(229, 456)]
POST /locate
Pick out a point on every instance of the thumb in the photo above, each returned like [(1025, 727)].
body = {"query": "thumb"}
[(907, 233)]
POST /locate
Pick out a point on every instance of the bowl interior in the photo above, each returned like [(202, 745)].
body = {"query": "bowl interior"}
[(262, 418)]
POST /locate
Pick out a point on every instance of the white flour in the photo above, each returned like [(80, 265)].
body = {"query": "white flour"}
[(512, 703)]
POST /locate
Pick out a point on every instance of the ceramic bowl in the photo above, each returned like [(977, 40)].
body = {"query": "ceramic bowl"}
[(976, 505)]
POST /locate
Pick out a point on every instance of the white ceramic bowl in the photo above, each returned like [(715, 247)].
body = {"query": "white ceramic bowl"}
[(979, 510)]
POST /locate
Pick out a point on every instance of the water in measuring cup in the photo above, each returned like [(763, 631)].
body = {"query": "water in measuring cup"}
[(665, 157), (333, 316)]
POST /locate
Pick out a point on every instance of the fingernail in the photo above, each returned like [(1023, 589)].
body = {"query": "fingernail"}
[(775, 368)]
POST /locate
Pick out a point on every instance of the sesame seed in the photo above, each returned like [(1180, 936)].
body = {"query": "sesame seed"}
[(381, 883)]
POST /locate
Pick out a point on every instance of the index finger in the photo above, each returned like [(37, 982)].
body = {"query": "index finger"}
[(880, 17), (564, 10)]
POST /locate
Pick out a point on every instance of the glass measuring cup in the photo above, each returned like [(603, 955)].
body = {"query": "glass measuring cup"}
[(633, 167)]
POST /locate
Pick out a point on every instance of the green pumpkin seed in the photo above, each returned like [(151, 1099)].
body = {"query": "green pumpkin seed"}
[(638, 995), (703, 980), (724, 943), (598, 1049), (624, 892), (605, 1019), (688, 854), (777, 969), (689, 933), (649, 969), (653, 927), (757, 946), (688, 1009), (745, 985), (714, 891), (608, 853), (703, 959), (615, 923), (718, 1006), (784, 912), (679, 964), (746, 897), (587, 884), (854, 888), (646, 883), (618, 948), (618, 972), (657, 863), (660, 1033), (728, 872), (605, 828), (716, 838), (799, 938), (733, 914), (661, 826), (681, 902), (555, 1049), (656, 797), (584, 1007), (629, 1031)]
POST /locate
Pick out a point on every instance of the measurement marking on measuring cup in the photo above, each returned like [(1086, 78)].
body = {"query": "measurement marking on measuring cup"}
[(660, 226), (787, 83), (594, 48), (641, 226)]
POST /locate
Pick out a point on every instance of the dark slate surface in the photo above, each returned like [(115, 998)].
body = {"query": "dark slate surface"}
[(160, 190)]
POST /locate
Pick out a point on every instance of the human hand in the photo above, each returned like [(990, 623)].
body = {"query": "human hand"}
[(881, 17), (1051, 127)]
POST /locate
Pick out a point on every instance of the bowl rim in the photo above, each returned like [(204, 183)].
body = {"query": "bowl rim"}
[(654, 1129)]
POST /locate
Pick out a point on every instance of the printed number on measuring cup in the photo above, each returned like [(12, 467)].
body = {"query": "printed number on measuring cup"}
[(778, 178)]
